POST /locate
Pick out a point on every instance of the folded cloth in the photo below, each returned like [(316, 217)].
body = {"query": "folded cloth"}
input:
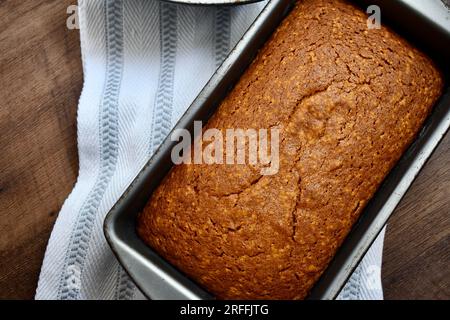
[(144, 63)]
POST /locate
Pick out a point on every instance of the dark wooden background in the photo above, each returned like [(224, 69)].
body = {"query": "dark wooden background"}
[(40, 83)]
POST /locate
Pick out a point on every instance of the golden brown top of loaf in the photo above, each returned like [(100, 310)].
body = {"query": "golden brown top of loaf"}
[(349, 102)]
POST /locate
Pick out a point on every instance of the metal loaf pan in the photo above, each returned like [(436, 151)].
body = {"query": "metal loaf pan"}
[(159, 280)]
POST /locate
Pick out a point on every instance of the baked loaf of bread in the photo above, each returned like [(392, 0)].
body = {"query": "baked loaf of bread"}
[(349, 101)]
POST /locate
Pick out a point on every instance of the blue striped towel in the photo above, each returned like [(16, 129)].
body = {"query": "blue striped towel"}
[(144, 62)]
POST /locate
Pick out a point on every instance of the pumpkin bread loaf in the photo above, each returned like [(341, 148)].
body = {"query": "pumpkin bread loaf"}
[(348, 101)]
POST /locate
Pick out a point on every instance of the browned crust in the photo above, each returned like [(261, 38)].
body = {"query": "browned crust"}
[(350, 101)]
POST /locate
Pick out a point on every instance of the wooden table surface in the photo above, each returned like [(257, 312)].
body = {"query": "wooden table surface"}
[(41, 79)]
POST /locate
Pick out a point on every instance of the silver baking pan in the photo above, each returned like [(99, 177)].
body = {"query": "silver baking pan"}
[(427, 27)]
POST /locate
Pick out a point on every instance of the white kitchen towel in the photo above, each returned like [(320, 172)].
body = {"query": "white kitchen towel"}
[(144, 62)]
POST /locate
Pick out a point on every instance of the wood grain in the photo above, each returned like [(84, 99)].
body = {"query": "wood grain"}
[(41, 79), (417, 250)]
